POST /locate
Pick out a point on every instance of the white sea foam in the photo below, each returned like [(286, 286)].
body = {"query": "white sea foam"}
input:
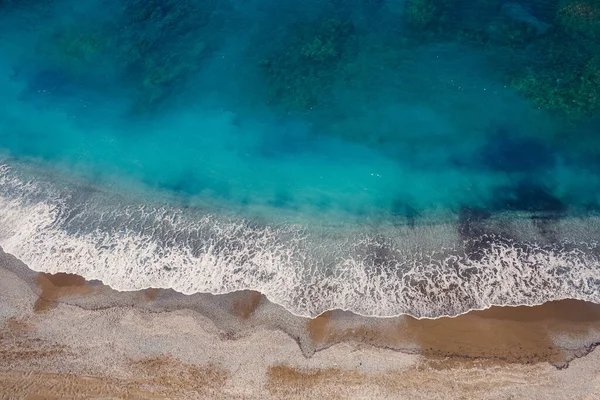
[(132, 246)]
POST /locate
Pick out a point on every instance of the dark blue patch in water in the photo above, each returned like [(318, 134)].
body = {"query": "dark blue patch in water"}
[(530, 197), (506, 152)]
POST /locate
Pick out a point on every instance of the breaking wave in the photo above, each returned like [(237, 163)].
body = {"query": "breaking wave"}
[(429, 270)]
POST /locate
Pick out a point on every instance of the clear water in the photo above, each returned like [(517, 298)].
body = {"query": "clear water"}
[(366, 155)]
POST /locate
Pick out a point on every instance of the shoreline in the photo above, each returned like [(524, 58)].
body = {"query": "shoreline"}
[(505, 259), (80, 278), (62, 330)]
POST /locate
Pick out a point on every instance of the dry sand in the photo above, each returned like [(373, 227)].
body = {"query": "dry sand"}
[(64, 338)]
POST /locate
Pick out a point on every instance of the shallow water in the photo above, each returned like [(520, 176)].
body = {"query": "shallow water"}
[(385, 156)]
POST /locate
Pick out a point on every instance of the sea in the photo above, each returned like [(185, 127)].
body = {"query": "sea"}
[(386, 157)]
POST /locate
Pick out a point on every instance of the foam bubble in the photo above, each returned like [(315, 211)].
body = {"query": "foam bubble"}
[(426, 271)]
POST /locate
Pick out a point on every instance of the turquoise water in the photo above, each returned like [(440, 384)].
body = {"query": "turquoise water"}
[(385, 123)]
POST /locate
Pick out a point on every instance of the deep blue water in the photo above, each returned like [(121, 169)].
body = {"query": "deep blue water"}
[(350, 117)]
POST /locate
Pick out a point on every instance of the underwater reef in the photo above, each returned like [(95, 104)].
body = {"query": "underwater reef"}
[(564, 76), (553, 46), (300, 74), (154, 46)]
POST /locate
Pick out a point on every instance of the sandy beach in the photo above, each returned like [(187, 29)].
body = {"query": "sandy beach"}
[(63, 337)]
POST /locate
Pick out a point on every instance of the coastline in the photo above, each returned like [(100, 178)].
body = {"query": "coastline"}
[(425, 270), (379, 199), (64, 337)]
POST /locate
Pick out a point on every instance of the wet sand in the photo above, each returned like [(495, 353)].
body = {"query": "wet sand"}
[(555, 332), (62, 337)]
